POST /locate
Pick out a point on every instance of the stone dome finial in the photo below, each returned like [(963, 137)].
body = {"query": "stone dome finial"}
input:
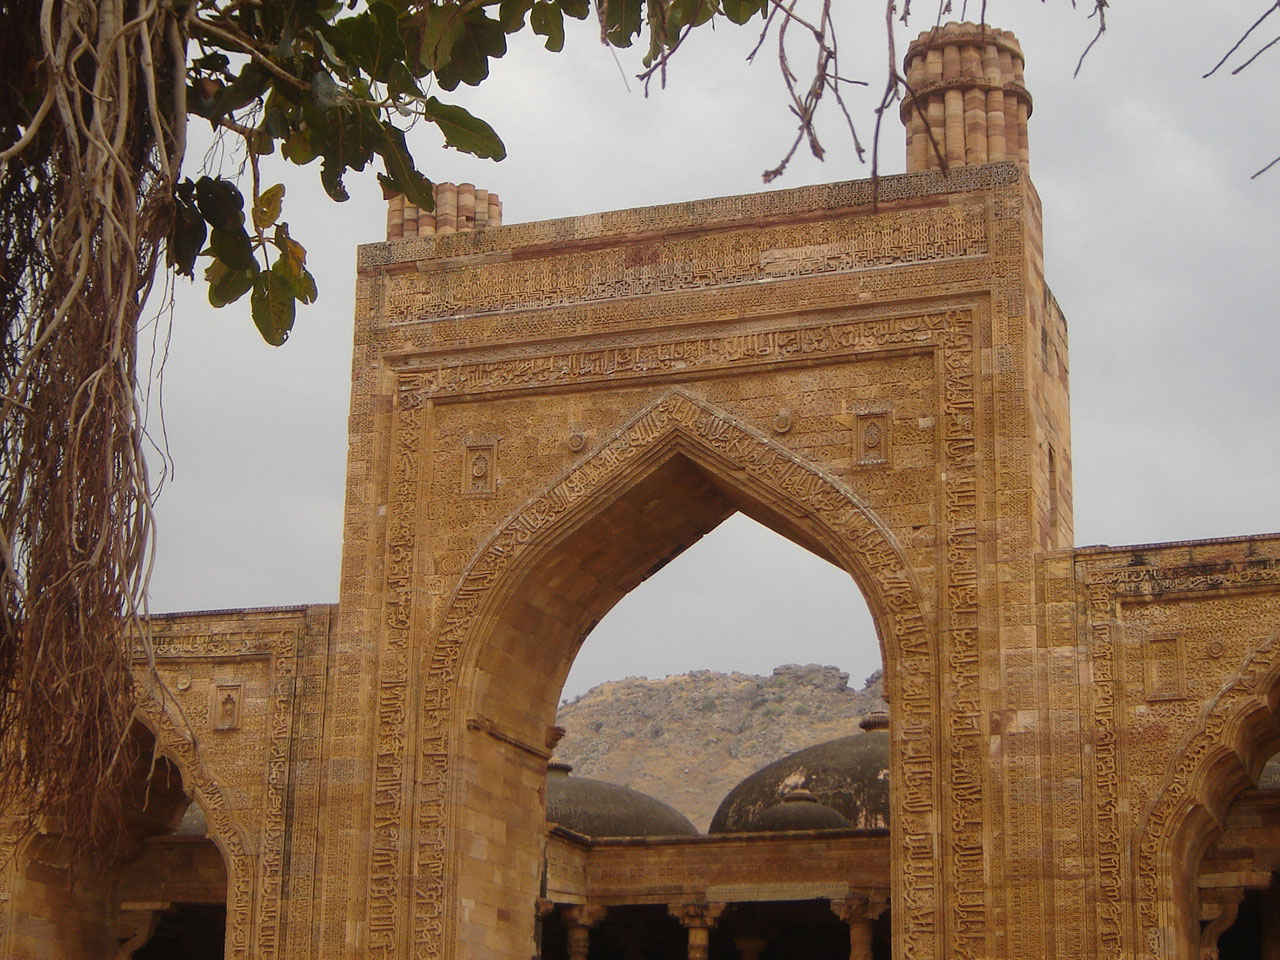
[(969, 93), (459, 208)]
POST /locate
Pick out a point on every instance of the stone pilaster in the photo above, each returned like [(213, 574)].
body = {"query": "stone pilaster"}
[(579, 920), (860, 911), (699, 919)]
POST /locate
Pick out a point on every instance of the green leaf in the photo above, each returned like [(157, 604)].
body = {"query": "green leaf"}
[(578, 9), (292, 253), (623, 20), (266, 209), (547, 21), (465, 132), (740, 11), (402, 176), (220, 202), (188, 234), (272, 306), (511, 14), (233, 248), (370, 41), (227, 285), (481, 39), (297, 148), (249, 85), (305, 288), (703, 12), (443, 25), (211, 62), (301, 284), (326, 92)]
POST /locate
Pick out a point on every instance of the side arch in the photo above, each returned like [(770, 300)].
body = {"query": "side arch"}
[(183, 752), (683, 443), (1236, 732)]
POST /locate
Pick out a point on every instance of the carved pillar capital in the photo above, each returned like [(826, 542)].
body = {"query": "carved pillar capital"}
[(584, 915), (698, 919), (1215, 927), (579, 919), (690, 915), (860, 910), (861, 905)]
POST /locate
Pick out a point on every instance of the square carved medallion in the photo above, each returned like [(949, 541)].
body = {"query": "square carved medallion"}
[(871, 438), (480, 468), (224, 706)]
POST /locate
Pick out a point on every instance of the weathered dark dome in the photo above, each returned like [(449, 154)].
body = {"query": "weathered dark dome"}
[(600, 809), (849, 774), (798, 810)]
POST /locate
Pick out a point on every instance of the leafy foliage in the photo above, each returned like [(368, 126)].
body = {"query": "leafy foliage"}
[(86, 220), (320, 81)]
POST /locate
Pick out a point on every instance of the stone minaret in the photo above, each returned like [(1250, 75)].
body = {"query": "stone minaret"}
[(460, 208), (967, 80)]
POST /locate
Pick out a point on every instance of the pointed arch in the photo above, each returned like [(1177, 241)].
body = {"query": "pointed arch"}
[(181, 750), (678, 451), (1237, 731)]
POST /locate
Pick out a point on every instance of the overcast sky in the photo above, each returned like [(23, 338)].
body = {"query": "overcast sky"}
[(1160, 249)]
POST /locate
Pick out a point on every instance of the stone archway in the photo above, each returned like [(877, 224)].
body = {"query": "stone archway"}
[(482, 743), (1237, 731), (226, 834)]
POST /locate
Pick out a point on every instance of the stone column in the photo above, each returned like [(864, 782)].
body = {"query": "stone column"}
[(578, 920), (699, 919), (860, 911)]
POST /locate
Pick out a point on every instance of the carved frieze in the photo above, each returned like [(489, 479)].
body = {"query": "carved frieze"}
[(705, 261), (444, 377)]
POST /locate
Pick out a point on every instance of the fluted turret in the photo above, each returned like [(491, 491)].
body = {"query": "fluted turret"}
[(969, 93), (459, 208)]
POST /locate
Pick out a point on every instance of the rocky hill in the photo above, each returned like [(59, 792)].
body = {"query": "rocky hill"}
[(689, 739)]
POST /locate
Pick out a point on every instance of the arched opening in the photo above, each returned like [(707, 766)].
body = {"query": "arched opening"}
[(1209, 848), (741, 650), (542, 590), (1239, 876), (162, 895)]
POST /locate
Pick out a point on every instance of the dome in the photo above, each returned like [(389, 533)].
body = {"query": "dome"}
[(599, 809), (798, 810), (850, 775)]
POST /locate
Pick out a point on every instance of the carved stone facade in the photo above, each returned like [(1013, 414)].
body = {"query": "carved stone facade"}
[(543, 413)]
